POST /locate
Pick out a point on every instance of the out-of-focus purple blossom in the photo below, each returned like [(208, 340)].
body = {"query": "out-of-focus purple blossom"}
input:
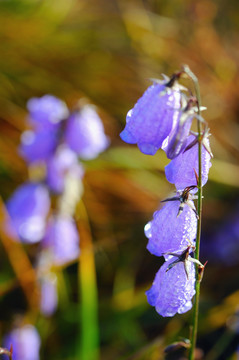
[(61, 163), (25, 342), (172, 291), (49, 298), (180, 171), (38, 145), (222, 246), (62, 239), (151, 120), (177, 139), (85, 133), (47, 110), (28, 208), (169, 233)]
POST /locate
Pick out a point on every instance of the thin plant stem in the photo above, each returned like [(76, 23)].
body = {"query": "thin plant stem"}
[(199, 224), (89, 332)]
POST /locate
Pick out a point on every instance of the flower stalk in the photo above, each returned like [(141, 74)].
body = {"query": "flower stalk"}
[(154, 123), (199, 223), (89, 328)]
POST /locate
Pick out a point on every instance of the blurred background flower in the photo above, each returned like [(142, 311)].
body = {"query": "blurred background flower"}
[(106, 52), (28, 208), (62, 239), (25, 342)]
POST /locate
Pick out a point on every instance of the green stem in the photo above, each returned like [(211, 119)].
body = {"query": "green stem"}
[(199, 210), (89, 333)]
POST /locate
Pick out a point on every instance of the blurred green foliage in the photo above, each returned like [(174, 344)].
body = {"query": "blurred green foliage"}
[(106, 51)]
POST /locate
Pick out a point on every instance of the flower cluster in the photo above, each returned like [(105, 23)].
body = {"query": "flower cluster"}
[(162, 118), (41, 210)]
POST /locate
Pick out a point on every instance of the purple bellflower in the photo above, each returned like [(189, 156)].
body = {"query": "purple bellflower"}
[(151, 120), (85, 133), (222, 246), (28, 208), (47, 111), (38, 145), (61, 163), (180, 171), (62, 239), (168, 232), (162, 118), (25, 342), (49, 298), (173, 288)]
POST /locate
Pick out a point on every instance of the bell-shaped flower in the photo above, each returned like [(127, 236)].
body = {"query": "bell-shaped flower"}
[(38, 145), (181, 170), (25, 342), (47, 111), (49, 298), (151, 120), (59, 165), (28, 208), (85, 133), (168, 232), (173, 288), (62, 239)]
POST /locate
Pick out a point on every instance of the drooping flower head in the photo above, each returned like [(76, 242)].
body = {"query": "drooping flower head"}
[(85, 133), (62, 239), (151, 120), (172, 289), (28, 208), (47, 111), (180, 171), (25, 342), (59, 165), (168, 232)]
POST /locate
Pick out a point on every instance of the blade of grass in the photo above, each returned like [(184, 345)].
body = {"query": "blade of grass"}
[(89, 330)]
